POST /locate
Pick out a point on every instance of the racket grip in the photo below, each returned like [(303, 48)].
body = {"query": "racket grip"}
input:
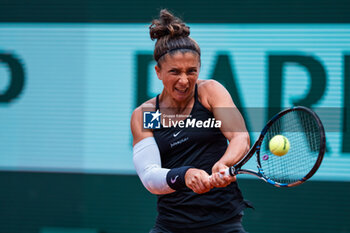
[(227, 173)]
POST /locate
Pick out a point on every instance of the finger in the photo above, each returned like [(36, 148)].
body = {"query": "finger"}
[(206, 183), (201, 186), (191, 187), (233, 178), (230, 178), (218, 168), (218, 181), (198, 189), (195, 186), (212, 179), (226, 180)]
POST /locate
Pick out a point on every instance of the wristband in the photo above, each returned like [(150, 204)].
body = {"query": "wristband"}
[(176, 177)]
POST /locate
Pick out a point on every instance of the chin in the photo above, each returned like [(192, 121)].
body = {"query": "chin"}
[(180, 98)]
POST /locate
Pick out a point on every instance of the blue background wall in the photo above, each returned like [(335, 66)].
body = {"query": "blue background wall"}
[(71, 74)]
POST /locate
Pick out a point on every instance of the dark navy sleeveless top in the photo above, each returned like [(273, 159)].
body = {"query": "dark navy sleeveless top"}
[(201, 148)]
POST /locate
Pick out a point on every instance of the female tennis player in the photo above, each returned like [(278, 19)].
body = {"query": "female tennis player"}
[(175, 162)]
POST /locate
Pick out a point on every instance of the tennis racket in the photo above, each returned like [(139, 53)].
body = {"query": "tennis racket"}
[(305, 133)]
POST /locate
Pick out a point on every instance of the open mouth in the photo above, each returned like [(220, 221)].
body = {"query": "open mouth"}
[(181, 90)]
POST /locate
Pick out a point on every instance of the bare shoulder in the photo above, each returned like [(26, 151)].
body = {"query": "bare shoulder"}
[(210, 83), (136, 122), (149, 105), (211, 92)]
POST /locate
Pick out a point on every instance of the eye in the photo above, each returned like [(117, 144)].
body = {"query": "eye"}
[(192, 71), (173, 71)]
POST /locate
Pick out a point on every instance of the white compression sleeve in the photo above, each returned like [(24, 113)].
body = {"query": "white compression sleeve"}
[(148, 166)]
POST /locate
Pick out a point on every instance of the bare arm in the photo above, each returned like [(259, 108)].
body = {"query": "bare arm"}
[(233, 128), (136, 124)]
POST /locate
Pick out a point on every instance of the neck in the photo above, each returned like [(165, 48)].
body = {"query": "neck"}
[(179, 107)]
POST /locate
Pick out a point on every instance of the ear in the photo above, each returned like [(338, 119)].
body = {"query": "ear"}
[(157, 68)]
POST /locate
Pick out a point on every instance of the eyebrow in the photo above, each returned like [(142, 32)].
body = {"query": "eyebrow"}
[(175, 68)]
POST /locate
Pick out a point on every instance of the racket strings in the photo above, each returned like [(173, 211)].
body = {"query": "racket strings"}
[(302, 131)]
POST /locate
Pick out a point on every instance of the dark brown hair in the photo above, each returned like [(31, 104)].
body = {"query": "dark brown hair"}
[(172, 35)]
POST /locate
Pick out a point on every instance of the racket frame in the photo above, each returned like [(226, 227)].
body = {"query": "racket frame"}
[(255, 149)]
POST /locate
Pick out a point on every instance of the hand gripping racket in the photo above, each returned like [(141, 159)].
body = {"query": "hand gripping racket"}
[(306, 136)]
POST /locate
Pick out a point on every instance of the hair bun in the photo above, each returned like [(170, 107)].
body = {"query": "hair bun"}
[(168, 25)]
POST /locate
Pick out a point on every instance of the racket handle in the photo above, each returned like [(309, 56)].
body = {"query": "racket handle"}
[(227, 173)]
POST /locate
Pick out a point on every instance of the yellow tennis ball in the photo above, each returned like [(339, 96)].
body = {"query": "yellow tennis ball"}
[(279, 145)]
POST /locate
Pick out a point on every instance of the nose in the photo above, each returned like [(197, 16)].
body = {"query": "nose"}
[(183, 79)]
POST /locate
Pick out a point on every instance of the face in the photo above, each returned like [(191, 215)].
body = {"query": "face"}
[(179, 74)]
